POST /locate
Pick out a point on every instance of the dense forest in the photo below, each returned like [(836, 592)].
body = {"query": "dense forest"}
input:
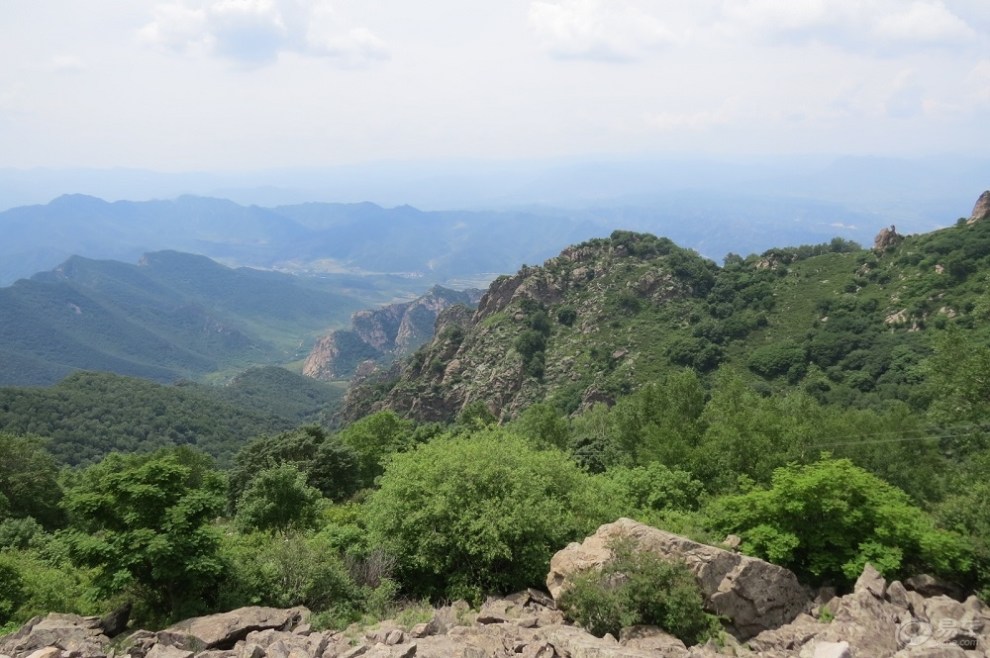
[(857, 439)]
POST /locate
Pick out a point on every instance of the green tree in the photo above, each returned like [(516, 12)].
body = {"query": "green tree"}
[(826, 520), (279, 499), (959, 379), (284, 571), (329, 464), (11, 589), (465, 515), (29, 481), (661, 421), (143, 520), (544, 426), (656, 487), (374, 438)]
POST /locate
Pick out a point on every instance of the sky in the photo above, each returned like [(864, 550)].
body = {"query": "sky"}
[(204, 85)]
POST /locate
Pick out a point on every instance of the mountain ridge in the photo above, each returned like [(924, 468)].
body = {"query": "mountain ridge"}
[(173, 316), (842, 322)]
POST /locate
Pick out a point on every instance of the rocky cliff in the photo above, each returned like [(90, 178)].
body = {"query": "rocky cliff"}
[(568, 326), (381, 335), (982, 209)]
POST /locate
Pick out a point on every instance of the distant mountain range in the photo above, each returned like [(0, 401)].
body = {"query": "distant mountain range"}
[(309, 237), (436, 246), (171, 316)]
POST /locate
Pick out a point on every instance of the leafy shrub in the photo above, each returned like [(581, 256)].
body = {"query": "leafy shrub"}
[(465, 515), (278, 499), (826, 520), (639, 587), (374, 438), (20, 533), (286, 571), (143, 520), (775, 360), (656, 487), (48, 581), (566, 316), (11, 589)]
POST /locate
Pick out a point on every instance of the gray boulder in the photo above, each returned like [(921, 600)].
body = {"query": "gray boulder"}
[(224, 630), (72, 634), (752, 594)]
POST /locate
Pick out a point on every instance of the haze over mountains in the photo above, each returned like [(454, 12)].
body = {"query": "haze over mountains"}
[(754, 205)]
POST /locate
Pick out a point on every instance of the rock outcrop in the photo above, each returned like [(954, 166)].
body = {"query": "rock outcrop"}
[(570, 300), (754, 594), (886, 239), (66, 634), (381, 335), (981, 210), (877, 620)]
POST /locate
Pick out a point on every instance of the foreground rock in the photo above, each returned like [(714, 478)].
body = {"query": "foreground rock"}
[(222, 631), (877, 620), (67, 634), (753, 594)]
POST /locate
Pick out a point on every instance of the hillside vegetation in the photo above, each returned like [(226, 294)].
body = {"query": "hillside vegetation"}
[(89, 415), (171, 316), (826, 404), (847, 325)]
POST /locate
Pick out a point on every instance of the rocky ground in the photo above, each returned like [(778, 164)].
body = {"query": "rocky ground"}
[(767, 614)]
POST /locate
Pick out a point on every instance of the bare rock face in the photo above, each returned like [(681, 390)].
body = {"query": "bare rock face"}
[(982, 209), (382, 334), (754, 595), (222, 631), (70, 634), (887, 238)]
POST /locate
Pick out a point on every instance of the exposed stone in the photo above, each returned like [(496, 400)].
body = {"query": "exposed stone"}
[(225, 629), (382, 335), (70, 633), (115, 622), (887, 238), (928, 585), (167, 651), (387, 636), (752, 594), (651, 638), (982, 208), (933, 650), (359, 650), (420, 630), (250, 650), (47, 652), (898, 595), (871, 581), (826, 650)]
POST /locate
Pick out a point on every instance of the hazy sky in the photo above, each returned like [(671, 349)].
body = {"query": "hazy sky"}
[(249, 84)]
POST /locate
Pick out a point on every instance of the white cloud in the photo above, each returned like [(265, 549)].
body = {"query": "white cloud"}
[(858, 23), (695, 121), (922, 22), (326, 34), (906, 98), (255, 32), (176, 27), (67, 64), (978, 82), (612, 30)]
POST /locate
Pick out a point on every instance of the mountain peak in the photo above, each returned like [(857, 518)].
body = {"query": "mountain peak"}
[(982, 208)]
